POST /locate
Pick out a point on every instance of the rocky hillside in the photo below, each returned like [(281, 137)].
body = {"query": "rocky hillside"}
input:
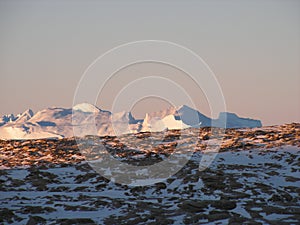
[(253, 180), (44, 151)]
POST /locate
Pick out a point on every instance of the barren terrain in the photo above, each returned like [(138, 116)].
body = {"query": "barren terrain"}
[(254, 179)]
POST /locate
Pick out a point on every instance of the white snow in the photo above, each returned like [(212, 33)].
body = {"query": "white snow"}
[(86, 107), (118, 200), (87, 119)]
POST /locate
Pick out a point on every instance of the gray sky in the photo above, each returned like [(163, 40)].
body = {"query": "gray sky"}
[(253, 47)]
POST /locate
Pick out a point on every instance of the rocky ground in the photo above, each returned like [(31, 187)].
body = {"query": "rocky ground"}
[(254, 179)]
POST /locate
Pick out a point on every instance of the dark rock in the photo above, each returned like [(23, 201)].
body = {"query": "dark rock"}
[(194, 206), (224, 204), (36, 220)]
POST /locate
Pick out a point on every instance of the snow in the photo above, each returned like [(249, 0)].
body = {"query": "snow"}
[(86, 107), (18, 133), (87, 119), (171, 123), (168, 122), (25, 116), (259, 174)]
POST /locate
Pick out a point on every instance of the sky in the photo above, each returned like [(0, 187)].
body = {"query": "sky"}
[(253, 48)]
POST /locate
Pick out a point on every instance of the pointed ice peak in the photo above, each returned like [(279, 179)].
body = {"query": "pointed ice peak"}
[(23, 117), (123, 116), (28, 112), (146, 119), (146, 122), (86, 107)]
